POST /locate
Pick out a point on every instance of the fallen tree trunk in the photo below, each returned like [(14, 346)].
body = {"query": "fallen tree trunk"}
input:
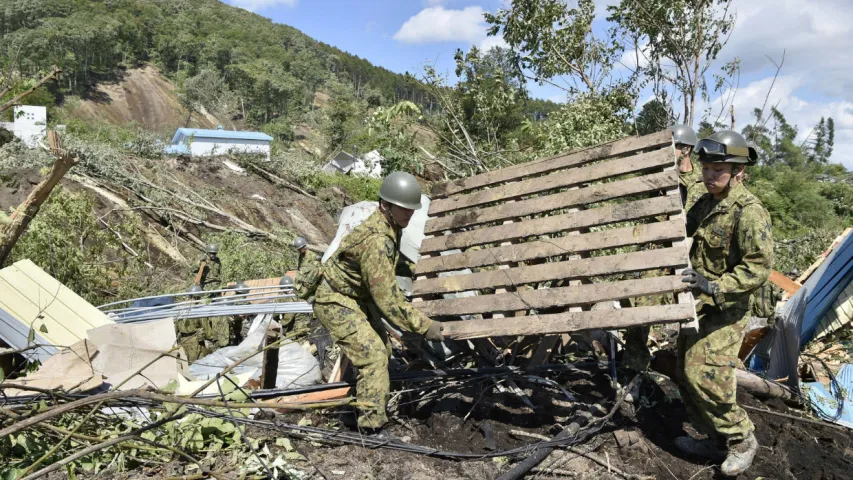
[(756, 385), (11, 103), (25, 212)]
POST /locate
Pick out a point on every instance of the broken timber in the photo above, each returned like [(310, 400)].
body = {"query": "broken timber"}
[(516, 235)]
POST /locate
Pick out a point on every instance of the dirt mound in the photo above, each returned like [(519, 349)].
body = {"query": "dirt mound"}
[(143, 96)]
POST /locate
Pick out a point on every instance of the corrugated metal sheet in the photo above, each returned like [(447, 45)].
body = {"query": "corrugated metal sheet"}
[(839, 315), (825, 285), (184, 133), (28, 295)]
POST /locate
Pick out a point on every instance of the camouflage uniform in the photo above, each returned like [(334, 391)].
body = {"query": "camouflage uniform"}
[(307, 276), (202, 336), (362, 272), (733, 248), (211, 274)]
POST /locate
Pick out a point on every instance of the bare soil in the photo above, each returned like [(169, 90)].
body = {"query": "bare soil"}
[(142, 96)]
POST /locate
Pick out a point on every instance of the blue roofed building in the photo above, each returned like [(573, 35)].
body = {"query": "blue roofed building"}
[(198, 142)]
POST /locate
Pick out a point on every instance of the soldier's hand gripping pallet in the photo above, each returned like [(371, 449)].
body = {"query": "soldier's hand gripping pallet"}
[(634, 220)]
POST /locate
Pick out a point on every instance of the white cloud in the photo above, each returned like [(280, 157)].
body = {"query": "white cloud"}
[(800, 112), (489, 43), (437, 24), (815, 36), (258, 5)]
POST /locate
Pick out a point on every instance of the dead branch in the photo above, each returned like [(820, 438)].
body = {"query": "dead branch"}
[(11, 103), (25, 212), (271, 177)]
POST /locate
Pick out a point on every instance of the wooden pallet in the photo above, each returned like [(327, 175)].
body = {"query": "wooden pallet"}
[(525, 237)]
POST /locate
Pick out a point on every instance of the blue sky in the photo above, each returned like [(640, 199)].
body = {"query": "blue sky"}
[(816, 80)]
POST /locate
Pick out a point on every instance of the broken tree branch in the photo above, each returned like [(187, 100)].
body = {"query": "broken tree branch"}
[(25, 212), (11, 103)]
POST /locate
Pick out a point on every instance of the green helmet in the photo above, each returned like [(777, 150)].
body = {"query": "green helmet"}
[(299, 243), (401, 189), (684, 135), (196, 289), (242, 288), (285, 281), (726, 147), (212, 248)]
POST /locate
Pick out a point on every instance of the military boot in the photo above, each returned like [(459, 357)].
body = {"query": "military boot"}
[(740, 457), (707, 448)]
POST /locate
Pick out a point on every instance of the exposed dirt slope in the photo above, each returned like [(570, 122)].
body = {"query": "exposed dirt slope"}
[(142, 96)]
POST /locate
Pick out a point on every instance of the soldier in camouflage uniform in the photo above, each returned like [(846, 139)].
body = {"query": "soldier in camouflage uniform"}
[(637, 356), (362, 271), (293, 321), (731, 255), (308, 271), (201, 336), (210, 269)]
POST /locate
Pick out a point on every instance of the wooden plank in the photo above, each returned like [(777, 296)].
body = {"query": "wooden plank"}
[(313, 397), (784, 282), (558, 223), (617, 237), (566, 322), (553, 297), (583, 196), (556, 162), (571, 269), (576, 176)]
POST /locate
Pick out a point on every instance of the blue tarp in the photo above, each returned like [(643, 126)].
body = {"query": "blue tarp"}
[(824, 402)]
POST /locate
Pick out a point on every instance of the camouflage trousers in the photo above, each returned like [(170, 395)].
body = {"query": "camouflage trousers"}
[(706, 375), (202, 336), (637, 355), (296, 321), (365, 342)]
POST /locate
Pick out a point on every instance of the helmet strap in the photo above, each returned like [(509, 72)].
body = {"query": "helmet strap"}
[(385, 208)]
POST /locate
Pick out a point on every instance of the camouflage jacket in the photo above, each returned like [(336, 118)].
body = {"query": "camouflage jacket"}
[(732, 246), (363, 270), (307, 275), (691, 186), (211, 274)]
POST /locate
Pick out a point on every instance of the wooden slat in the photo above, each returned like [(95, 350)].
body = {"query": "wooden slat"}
[(578, 176), (567, 322), (784, 282), (583, 196), (618, 237), (556, 162), (572, 269), (553, 297), (542, 226)]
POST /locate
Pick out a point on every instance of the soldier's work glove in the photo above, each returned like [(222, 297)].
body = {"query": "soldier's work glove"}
[(434, 332), (698, 281)]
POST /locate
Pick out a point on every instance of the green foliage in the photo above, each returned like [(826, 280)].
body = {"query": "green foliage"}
[(246, 259), (342, 116), (589, 120), (357, 188), (654, 117), (681, 39), (391, 129), (68, 241)]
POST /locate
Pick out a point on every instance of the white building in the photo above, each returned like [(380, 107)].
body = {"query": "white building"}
[(198, 142), (30, 124)]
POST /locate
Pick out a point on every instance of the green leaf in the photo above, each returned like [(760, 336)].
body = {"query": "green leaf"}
[(171, 387), (31, 336), (304, 422), (294, 456), (43, 328)]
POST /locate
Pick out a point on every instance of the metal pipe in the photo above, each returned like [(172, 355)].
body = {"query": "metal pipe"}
[(206, 292)]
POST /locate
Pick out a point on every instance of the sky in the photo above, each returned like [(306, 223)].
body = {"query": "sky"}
[(816, 78)]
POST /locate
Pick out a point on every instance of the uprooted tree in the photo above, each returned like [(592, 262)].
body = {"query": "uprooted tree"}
[(25, 212)]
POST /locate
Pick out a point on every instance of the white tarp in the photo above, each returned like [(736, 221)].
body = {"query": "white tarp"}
[(413, 235)]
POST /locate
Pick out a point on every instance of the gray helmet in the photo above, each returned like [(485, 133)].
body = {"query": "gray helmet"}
[(401, 189), (285, 281), (299, 243), (684, 135), (726, 146), (196, 289), (212, 248), (242, 288)]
